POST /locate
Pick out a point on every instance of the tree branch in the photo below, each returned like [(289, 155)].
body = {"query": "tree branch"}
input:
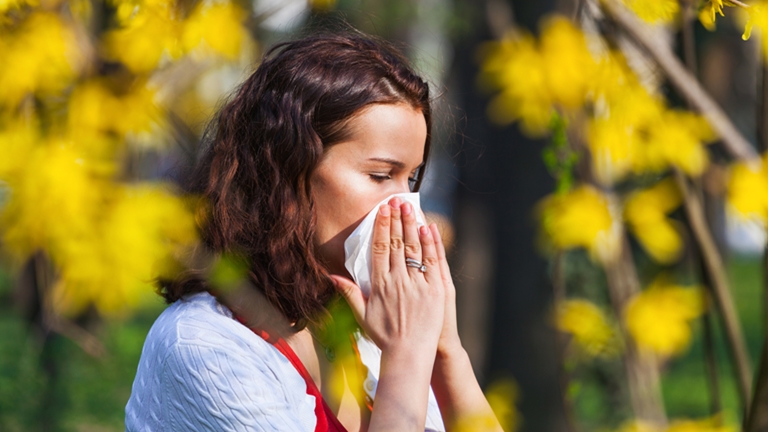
[(688, 86), (720, 288)]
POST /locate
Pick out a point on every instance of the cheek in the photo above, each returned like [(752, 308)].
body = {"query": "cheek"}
[(341, 203)]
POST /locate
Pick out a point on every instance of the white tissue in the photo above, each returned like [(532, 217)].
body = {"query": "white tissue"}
[(357, 247)]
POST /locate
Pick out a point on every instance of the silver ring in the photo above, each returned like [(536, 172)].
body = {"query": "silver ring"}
[(410, 262)]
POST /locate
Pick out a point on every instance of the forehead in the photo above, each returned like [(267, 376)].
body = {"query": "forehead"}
[(392, 131)]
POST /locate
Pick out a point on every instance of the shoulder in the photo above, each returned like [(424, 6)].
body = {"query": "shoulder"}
[(199, 366)]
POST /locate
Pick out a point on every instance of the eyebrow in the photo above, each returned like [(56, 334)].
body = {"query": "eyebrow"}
[(393, 162)]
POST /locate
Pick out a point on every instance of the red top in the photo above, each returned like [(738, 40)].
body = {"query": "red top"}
[(326, 419)]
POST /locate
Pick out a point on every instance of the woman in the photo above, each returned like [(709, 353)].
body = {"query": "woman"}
[(325, 128)]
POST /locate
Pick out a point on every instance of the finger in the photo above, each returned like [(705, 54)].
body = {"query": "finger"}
[(396, 254), (411, 240), (352, 294), (445, 270), (380, 243), (429, 255)]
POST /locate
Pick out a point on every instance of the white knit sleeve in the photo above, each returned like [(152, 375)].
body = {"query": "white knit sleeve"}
[(211, 389)]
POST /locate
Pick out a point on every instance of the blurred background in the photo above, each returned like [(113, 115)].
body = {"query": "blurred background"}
[(103, 103)]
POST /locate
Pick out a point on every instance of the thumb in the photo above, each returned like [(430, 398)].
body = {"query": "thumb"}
[(352, 294)]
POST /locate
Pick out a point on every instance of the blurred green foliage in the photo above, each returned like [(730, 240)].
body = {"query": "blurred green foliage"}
[(47, 383), (595, 389)]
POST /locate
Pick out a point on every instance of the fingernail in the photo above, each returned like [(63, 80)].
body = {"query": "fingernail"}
[(384, 210), (406, 208), (394, 202), (423, 230)]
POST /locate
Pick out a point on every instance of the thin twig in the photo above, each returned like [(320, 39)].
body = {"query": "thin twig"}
[(688, 86), (710, 360), (720, 288), (738, 3)]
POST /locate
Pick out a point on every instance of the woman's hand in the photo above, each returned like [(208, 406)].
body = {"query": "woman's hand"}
[(449, 342), (403, 315), (405, 308)]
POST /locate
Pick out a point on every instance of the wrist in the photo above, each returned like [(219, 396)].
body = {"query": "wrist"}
[(450, 350)]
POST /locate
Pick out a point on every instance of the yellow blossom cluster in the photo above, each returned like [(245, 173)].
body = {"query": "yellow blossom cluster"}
[(585, 218), (659, 317), (66, 122), (629, 129), (589, 327), (40, 55), (535, 77), (152, 31), (645, 212), (94, 108), (754, 15), (748, 190), (109, 241)]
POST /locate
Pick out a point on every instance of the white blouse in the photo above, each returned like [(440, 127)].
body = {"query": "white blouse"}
[(201, 370)]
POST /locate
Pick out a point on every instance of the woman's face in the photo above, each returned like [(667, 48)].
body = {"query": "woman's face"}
[(383, 152)]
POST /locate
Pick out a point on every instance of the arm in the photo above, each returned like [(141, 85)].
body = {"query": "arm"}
[(403, 315), (456, 388)]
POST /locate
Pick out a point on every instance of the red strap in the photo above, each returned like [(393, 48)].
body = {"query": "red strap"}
[(326, 419)]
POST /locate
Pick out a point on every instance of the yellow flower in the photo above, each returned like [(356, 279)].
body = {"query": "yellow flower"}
[(617, 136), (150, 35), (140, 236), (677, 140), (568, 63), (94, 107), (654, 11), (659, 317), (57, 196), (42, 55), (748, 191), (645, 212), (534, 77), (588, 326), (582, 218), (216, 27), (708, 13), (516, 67), (757, 17)]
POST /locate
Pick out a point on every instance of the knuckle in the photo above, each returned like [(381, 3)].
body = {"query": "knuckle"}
[(413, 248), (429, 261), (382, 222), (397, 243), (380, 247)]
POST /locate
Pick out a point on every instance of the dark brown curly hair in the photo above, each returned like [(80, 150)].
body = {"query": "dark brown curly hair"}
[(264, 145)]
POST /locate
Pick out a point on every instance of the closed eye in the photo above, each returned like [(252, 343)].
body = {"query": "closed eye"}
[(378, 178)]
